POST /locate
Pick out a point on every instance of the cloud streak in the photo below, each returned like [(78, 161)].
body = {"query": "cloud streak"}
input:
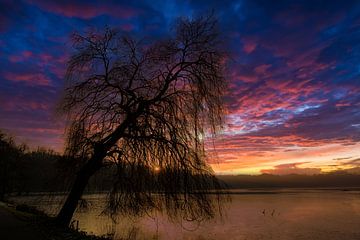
[(294, 74)]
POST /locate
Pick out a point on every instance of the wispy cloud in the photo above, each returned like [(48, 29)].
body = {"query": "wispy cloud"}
[(294, 75)]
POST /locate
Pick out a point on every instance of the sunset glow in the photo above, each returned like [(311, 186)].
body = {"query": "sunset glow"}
[(293, 70)]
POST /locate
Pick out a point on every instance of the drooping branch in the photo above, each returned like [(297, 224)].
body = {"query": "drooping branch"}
[(149, 109)]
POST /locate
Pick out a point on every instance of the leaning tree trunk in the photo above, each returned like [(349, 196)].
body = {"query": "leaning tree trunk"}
[(81, 180)]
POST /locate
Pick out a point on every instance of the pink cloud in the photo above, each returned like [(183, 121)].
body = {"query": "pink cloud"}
[(29, 78), (262, 69), (249, 46), (56, 65), (248, 78), (245, 151), (19, 103), (342, 104), (44, 57), (85, 10), (21, 57)]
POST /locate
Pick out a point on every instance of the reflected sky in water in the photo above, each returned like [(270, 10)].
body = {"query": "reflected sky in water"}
[(304, 215)]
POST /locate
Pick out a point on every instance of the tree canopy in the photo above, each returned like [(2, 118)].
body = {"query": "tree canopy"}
[(148, 108)]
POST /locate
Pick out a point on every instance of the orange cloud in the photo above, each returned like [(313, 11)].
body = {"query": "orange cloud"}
[(291, 168)]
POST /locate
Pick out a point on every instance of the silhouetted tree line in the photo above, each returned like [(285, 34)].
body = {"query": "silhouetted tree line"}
[(23, 170), (338, 179)]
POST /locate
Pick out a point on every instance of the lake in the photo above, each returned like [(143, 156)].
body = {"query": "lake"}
[(251, 215)]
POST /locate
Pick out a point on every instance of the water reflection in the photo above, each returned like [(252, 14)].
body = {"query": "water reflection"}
[(282, 216)]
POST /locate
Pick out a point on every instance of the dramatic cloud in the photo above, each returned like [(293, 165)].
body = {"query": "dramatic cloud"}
[(293, 75)]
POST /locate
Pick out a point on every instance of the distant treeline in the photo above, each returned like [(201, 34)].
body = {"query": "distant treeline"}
[(23, 171), (328, 180)]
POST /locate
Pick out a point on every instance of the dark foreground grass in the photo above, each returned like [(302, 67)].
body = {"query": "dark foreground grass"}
[(47, 226)]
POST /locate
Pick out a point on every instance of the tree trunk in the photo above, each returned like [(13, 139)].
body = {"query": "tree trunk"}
[(82, 178)]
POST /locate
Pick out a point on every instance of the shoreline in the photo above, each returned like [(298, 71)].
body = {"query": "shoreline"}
[(38, 225), (231, 191)]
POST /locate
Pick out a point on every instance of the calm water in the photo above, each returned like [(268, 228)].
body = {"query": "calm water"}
[(285, 215)]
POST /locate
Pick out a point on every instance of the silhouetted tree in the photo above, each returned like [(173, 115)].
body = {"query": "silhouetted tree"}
[(24, 171), (8, 155), (146, 108), (39, 171)]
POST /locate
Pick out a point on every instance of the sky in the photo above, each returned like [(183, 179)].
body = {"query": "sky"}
[(294, 96)]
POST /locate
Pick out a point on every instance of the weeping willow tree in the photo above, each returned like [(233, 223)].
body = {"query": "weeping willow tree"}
[(146, 109)]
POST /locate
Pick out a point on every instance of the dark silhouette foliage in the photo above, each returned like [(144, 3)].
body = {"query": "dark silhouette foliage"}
[(23, 171), (146, 109), (9, 155)]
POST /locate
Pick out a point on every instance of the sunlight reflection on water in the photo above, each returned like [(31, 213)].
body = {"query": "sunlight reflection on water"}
[(287, 215)]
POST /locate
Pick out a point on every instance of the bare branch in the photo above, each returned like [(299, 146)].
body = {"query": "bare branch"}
[(149, 110)]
